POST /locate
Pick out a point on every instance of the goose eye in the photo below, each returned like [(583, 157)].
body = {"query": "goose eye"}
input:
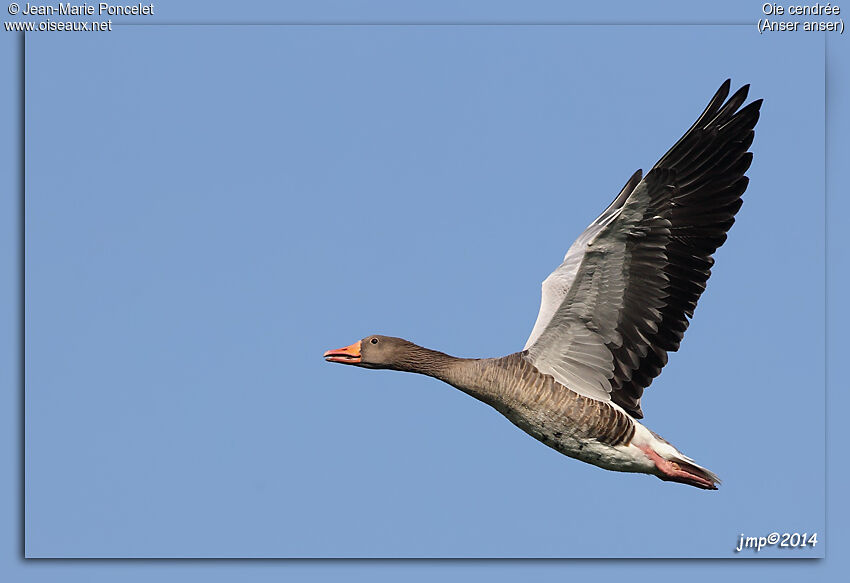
[(374, 340)]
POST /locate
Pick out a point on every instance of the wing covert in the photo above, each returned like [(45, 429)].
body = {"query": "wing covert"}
[(622, 298)]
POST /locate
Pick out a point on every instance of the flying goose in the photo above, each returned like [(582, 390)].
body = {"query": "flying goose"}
[(615, 307)]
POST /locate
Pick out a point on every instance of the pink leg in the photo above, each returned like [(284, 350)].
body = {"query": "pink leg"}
[(671, 471)]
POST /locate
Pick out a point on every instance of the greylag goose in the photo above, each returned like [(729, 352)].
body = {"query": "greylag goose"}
[(610, 313)]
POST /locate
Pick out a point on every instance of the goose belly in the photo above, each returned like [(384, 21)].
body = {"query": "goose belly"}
[(587, 429), (576, 440)]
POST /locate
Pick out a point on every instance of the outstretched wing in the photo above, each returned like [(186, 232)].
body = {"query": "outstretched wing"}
[(623, 295)]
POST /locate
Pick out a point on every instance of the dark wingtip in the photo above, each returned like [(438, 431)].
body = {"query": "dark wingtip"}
[(742, 92)]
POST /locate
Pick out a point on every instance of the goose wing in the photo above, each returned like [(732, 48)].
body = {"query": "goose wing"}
[(622, 298)]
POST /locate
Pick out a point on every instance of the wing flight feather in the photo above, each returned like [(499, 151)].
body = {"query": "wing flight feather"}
[(622, 297)]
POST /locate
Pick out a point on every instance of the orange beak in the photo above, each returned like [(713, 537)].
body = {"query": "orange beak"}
[(347, 355)]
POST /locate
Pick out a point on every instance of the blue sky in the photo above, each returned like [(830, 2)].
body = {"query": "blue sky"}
[(209, 208)]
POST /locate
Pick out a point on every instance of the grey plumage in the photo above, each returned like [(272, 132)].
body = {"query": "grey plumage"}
[(610, 313), (630, 282)]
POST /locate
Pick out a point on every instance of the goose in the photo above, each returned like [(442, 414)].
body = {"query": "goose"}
[(610, 313)]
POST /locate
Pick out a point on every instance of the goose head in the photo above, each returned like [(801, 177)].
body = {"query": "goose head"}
[(375, 351)]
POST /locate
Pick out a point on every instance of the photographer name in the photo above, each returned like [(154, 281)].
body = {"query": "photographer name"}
[(86, 9)]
